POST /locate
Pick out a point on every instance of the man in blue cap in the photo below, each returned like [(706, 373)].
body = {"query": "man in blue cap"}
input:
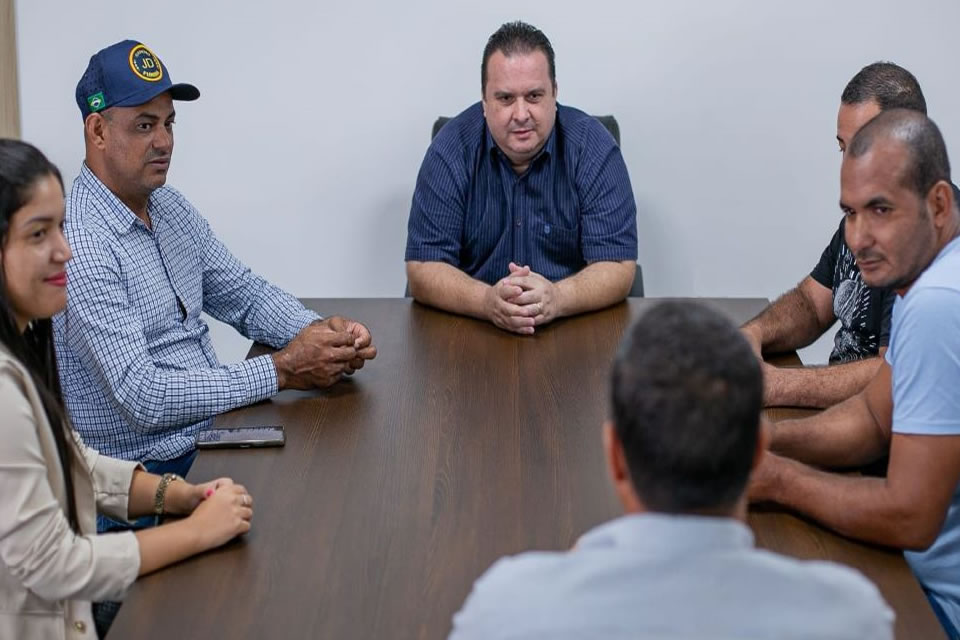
[(139, 373)]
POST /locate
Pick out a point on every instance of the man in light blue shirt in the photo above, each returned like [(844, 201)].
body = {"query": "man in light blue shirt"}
[(902, 224), (139, 373), (685, 433)]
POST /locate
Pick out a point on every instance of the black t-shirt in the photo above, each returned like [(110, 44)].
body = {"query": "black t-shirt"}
[(863, 311)]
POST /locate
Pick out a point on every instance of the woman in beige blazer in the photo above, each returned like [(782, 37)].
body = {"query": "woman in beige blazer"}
[(52, 562)]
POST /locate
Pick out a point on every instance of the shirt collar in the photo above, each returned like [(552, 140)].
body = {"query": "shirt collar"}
[(547, 149), (116, 213), (948, 248), (666, 534)]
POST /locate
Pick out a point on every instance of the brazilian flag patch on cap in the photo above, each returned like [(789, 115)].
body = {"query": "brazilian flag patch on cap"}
[(96, 102)]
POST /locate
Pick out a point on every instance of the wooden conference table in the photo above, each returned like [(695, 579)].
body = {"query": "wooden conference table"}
[(460, 443)]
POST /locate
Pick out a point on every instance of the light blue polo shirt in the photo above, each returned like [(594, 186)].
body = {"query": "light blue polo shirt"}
[(670, 577), (924, 355)]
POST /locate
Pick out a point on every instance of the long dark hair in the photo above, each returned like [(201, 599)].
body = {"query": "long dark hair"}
[(21, 167)]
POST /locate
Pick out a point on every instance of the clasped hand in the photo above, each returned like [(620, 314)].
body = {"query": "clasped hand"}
[(322, 353), (220, 509), (522, 301)]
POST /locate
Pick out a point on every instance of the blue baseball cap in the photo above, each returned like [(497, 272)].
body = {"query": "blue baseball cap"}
[(126, 74)]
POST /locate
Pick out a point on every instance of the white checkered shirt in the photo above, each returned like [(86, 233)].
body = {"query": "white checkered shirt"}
[(139, 373)]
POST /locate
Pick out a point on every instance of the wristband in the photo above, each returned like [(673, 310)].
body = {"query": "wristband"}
[(160, 497)]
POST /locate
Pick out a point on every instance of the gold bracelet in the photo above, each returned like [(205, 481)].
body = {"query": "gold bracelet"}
[(160, 497)]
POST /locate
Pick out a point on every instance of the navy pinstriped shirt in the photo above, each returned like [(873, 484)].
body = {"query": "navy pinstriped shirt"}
[(573, 205)]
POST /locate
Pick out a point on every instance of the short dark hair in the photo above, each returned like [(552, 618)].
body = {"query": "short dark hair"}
[(687, 393), (517, 37), (889, 85), (927, 163)]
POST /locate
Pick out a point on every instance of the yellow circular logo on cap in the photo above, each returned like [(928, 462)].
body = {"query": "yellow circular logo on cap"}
[(145, 64)]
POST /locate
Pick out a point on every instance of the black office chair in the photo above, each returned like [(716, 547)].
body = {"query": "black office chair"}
[(636, 289), (610, 123)]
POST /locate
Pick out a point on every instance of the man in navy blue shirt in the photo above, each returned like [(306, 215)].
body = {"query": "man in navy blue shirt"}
[(523, 210)]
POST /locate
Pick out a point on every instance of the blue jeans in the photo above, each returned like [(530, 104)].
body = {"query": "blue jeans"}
[(180, 466), (945, 621)]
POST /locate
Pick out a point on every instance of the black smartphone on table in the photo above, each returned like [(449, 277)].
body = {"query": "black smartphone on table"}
[(241, 437)]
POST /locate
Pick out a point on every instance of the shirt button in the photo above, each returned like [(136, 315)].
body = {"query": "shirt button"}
[(518, 223), (80, 626)]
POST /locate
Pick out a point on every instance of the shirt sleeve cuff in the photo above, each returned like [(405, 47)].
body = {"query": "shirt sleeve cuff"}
[(111, 480), (609, 254), (926, 428), (260, 375), (306, 318), (116, 557), (822, 281), (430, 254)]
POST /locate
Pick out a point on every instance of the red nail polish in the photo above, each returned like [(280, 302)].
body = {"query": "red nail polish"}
[(208, 493)]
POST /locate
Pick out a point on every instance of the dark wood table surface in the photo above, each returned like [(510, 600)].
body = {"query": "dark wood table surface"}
[(460, 443)]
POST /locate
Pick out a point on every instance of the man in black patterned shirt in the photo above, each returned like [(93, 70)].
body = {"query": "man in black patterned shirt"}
[(834, 289)]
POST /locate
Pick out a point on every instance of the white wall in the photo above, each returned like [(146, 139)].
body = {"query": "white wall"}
[(304, 147)]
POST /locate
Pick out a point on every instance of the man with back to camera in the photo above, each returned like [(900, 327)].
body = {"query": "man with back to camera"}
[(139, 373), (685, 434), (523, 210), (902, 225), (835, 290)]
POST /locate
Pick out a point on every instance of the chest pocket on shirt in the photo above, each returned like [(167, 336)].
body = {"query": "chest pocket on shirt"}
[(558, 244), (555, 224)]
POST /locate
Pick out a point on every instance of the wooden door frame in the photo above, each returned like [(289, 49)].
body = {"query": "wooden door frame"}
[(9, 86)]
